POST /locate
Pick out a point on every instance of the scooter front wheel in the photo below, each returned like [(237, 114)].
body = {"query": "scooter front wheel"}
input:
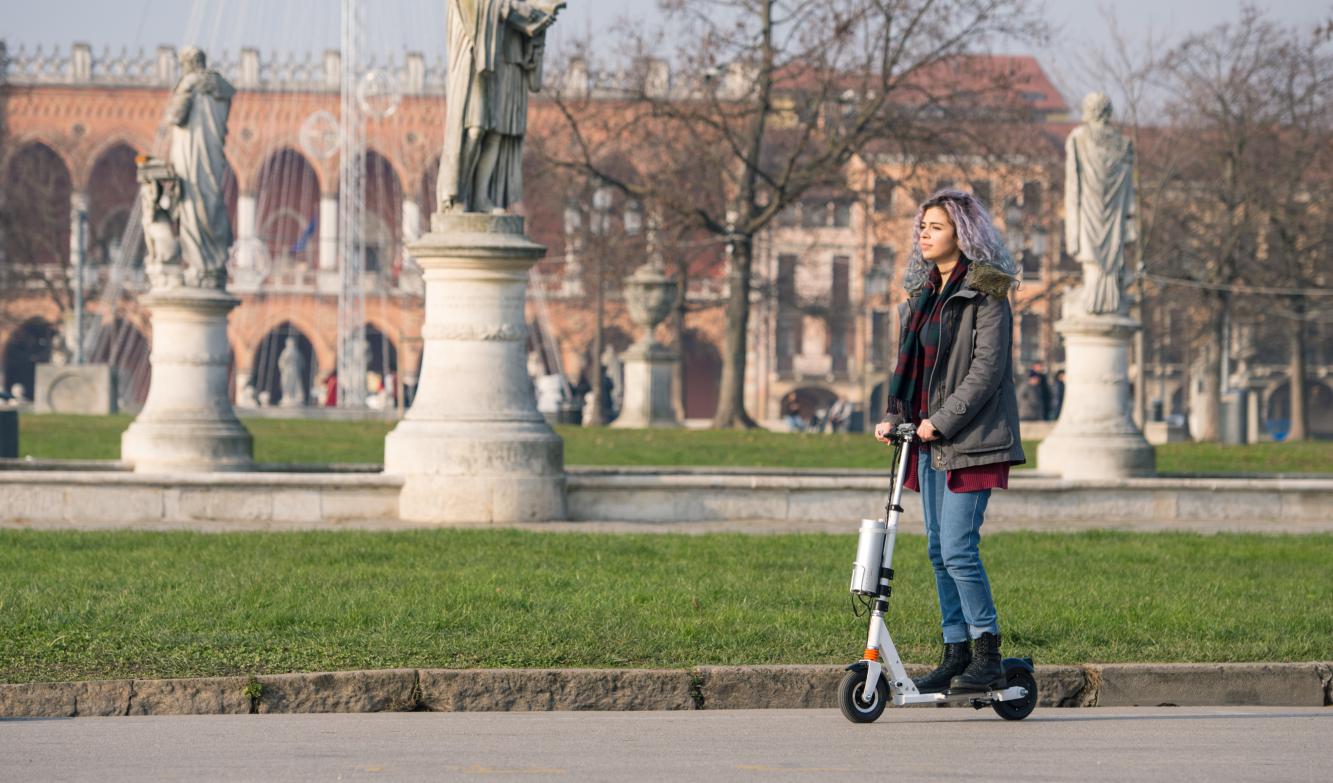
[(853, 701)]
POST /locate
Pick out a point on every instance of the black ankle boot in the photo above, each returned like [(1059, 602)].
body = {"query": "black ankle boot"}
[(985, 671), (957, 655)]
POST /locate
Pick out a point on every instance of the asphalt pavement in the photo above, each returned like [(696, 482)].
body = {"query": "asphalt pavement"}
[(1138, 744)]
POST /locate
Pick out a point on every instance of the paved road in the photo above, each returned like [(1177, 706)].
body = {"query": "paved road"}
[(1175, 744)]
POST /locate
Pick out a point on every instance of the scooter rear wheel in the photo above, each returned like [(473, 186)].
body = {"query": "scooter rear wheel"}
[(852, 698), (1018, 709)]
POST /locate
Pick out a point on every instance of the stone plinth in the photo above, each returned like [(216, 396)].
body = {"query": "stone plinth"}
[(647, 401), (83, 388), (187, 423), (473, 447), (1095, 437)]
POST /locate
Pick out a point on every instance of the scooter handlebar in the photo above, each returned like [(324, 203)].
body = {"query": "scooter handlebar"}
[(904, 433)]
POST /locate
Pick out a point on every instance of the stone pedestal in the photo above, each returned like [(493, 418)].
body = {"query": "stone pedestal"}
[(187, 423), (88, 389), (473, 447), (647, 400), (1095, 437)]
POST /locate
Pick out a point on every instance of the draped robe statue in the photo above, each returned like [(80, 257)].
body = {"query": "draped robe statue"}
[(1099, 206), (291, 372), (198, 112), (495, 58)]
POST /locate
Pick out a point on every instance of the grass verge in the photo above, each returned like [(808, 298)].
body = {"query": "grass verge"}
[(309, 441), (92, 605)]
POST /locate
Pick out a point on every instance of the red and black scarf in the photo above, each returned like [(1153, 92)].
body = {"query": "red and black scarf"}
[(908, 396)]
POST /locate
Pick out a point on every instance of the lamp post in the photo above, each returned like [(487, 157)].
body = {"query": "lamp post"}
[(874, 285), (80, 258), (595, 414)]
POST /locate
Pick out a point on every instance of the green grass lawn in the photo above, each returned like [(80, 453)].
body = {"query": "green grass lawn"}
[(91, 605), (308, 441)]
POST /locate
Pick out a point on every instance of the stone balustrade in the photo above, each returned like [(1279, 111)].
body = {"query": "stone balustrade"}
[(250, 69)]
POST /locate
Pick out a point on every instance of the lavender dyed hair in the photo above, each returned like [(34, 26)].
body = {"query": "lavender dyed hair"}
[(977, 236)]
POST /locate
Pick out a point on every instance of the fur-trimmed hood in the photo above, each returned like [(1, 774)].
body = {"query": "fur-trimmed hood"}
[(989, 280)]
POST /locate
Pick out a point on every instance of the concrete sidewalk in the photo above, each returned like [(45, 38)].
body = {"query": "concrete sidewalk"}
[(701, 688), (1104, 744)]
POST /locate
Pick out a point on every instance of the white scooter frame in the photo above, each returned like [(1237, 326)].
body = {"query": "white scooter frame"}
[(881, 652)]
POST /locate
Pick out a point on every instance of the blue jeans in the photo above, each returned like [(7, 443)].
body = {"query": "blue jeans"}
[(953, 536)]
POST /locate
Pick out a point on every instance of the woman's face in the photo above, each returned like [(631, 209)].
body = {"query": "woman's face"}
[(938, 240)]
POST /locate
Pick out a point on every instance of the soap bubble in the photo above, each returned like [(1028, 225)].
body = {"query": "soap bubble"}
[(320, 135), (378, 93)]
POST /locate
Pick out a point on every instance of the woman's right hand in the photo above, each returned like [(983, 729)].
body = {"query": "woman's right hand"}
[(883, 430)]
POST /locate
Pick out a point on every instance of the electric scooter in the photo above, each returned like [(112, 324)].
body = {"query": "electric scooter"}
[(870, 683)]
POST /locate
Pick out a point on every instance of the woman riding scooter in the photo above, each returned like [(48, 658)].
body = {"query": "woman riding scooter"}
[(954, 380)]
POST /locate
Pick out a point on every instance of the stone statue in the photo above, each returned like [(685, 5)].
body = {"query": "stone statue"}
[(159, 196), (615, 370), (536, 367), (197, 113), (1099, 206), (291, 370), (495, 59), (245, 394)]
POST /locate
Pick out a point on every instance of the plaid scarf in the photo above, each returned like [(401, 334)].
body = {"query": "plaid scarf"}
[(916, 356)]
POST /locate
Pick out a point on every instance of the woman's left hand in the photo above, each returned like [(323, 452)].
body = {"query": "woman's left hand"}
[(926, 431)]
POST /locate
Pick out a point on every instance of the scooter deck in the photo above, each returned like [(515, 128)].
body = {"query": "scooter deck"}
[(984, 697)]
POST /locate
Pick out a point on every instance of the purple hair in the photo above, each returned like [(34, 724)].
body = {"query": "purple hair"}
[(977, 236)]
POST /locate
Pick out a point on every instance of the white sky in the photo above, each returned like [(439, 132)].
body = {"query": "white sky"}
[(418, 25)]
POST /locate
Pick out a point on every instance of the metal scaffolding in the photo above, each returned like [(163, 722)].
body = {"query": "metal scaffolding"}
[(352, 345)]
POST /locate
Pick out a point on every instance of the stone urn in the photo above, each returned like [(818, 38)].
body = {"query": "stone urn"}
[(649, 294)]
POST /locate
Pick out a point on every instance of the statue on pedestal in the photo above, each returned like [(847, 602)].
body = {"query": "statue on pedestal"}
[(1095, 436), (495, 59), (187, 423), (473, 447), (1099, 207)]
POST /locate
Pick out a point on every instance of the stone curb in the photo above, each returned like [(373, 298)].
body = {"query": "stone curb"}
[(703, 687)]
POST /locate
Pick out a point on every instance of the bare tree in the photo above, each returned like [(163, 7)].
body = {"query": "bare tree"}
[(1217, 118), (1243, 122), (775, 97), (34, 233), (1296, 188), (604, 236)]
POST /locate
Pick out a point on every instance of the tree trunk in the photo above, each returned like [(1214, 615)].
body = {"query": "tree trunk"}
[(1209, 416), (731, 396), (1300, 421), (1141, 339), (678, 333), (595, 416), (1205, 410)]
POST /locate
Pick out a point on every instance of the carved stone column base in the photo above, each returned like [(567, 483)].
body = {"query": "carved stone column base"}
[(647, 401), (1095, 437), (187, 423), (473, 447)]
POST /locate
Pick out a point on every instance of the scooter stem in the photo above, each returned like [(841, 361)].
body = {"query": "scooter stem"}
[(899, 474)]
